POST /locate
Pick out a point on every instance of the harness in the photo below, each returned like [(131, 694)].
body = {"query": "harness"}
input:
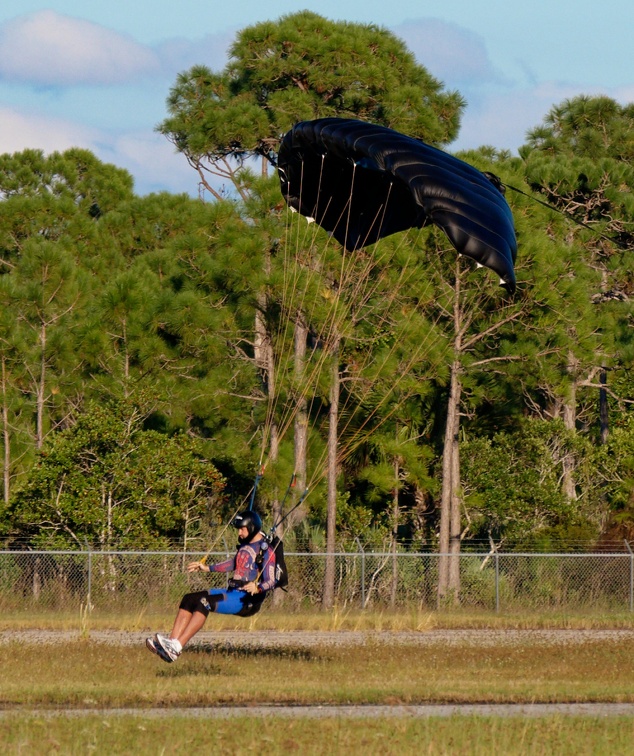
[(258, 561)]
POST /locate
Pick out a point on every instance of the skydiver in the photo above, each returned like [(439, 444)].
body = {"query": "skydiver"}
[(254, 574)]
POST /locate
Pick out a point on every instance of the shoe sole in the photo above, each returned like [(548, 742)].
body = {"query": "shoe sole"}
[(162, 652), (155, 647), (149, 644)]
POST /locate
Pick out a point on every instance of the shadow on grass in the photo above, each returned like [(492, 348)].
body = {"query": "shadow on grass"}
[(196, 669), (198, 660), (243, 651)]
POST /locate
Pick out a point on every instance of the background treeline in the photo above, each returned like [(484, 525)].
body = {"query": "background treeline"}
[(158, 352)]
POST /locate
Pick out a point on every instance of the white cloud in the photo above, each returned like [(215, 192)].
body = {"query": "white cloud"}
[(46, 48), (151, 159), (148, 156), (21, 130), (178, 53), (502, 118), (449, 52)]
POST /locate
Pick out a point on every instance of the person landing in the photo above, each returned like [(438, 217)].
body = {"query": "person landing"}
[(253, 568)]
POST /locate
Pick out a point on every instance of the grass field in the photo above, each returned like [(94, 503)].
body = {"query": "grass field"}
[(415, 619), (82, 673), (88, 674), (454, 735)]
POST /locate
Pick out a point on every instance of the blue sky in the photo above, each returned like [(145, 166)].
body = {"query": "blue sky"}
[(96, 75)]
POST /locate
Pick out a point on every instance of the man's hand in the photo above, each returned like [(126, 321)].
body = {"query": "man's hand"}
[(196, 567), (251, 588)]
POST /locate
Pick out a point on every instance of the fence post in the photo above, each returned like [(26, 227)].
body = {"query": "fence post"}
[(362, 552), (629, 548), (89, 586), (497, 582)]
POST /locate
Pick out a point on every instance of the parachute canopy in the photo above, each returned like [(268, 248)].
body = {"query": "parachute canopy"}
[(362, 182)]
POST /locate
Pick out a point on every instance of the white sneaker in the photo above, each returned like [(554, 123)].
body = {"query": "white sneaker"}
[(170, 650)]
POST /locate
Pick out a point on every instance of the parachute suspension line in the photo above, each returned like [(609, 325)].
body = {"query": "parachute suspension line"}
[(335, 320), (312, 171), (404, 371), (291, 486), (381, 211), (362, 433), (366, 296), (570, 217), (298, 504), (251, 494), (335, 317), (290, 306), (270, 536), (312, 270), (332, 318), (291, 287), (258, 478), (359, 279), (279, 358), (251, 497), (204, 559), (366, 293), (293, 303), (291, 276)]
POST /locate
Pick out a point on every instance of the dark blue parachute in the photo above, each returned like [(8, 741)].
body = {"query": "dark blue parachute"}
[(362, 182)]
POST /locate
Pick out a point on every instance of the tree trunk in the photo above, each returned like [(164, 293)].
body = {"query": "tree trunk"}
[(265, 361), (570, 422), (126, 360), (6, 437), (277, 514), (455, 524), (39, 423), (328, 598), (395, 521), (603, 407), (301, 410), (450, 503), (449, 545)]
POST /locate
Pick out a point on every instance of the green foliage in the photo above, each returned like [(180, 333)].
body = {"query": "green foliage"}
[(109, 482), (586, 126), (107, 295), (299, 67), (75, 177), (512, 490), (615, 469)]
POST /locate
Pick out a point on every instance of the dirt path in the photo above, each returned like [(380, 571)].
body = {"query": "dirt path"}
[(344, 712), (272, 639)]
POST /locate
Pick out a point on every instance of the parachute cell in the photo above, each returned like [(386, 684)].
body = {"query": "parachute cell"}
[(362, 182)]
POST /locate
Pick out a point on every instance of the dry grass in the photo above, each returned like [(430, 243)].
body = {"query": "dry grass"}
[(89, 674), (85, 674), (413, 619), (576, 736)]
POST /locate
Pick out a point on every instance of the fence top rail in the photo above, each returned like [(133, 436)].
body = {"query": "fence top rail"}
[(364, 554)]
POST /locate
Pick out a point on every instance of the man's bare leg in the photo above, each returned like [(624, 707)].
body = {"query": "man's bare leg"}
[(186, 632), (183, 618)]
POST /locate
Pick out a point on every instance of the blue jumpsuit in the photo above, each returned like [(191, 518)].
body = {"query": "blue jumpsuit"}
[(235, 600)]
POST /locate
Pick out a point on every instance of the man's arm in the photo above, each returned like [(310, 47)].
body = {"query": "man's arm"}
[(226, 566)]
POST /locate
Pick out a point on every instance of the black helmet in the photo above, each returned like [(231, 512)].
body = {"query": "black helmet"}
[(249, 520)]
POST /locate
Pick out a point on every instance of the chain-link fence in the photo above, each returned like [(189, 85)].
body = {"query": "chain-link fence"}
[(135, 581)]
